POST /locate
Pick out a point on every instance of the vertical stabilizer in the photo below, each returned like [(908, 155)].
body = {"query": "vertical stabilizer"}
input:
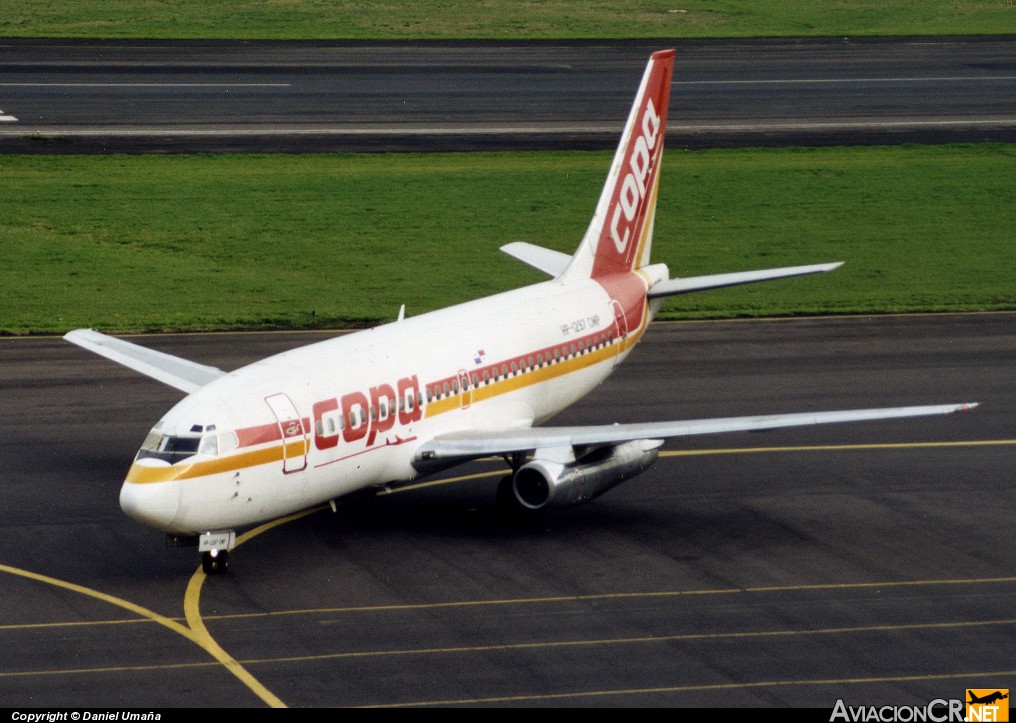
[(620, 235)]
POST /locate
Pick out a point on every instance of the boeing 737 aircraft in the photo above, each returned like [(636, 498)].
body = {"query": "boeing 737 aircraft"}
[(357, 412)]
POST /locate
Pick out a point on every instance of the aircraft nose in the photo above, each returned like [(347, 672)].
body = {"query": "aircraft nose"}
[(152, 504)]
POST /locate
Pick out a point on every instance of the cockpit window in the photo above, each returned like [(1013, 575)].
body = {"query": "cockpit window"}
[(173, 449), (209, 445)]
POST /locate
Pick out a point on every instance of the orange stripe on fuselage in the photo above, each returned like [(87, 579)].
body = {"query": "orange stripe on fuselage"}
[(142, 474)]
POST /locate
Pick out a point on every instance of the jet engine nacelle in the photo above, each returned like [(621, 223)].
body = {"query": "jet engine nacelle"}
[(543, 483)]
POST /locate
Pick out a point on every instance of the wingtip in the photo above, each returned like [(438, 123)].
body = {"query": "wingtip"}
[(968, 406), (74, 333)]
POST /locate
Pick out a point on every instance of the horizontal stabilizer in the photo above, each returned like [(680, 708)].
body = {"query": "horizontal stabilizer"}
[(480, 443), (548, 261), (182, 374), (718, 281)]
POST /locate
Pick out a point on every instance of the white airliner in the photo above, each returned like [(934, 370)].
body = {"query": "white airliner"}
[(390, 404)]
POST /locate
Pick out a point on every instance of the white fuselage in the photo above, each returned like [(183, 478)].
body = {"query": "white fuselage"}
[(312, 424)]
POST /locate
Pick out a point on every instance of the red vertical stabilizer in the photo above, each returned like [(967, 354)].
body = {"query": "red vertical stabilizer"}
[(619, 237)]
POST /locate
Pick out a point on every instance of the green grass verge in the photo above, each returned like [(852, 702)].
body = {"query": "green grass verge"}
[(499, 19), (215, 242)]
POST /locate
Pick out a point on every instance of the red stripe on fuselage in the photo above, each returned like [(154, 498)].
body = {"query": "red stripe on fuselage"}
[(265, 433), (262, 434)]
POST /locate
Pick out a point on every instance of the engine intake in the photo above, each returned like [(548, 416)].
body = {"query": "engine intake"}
[(543, 483)]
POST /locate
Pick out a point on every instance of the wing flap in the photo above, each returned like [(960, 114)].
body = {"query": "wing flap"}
[(480, 443), (182, 374)]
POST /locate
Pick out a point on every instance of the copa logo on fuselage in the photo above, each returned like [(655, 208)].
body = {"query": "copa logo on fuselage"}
[(358, 415), (634, 188)]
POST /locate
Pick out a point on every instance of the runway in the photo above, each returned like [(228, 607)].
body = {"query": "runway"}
[(870, 563), (163, 97)]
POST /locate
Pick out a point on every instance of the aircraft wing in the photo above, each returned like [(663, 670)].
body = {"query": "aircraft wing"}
[(180, 373), (480, 443)]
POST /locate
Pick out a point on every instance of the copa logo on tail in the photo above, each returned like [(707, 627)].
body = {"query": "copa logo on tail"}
[(633, 190), (622, 226)]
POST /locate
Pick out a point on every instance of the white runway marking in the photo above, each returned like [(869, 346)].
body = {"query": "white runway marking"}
[(830, 81), (6, 118), (127, 132), (145, 85)]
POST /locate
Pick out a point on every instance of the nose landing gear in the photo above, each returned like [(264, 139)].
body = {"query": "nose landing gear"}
[(215, 562), (215, 547)]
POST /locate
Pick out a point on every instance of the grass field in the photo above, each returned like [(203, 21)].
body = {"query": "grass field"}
[(499, 19), (211, 242)]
